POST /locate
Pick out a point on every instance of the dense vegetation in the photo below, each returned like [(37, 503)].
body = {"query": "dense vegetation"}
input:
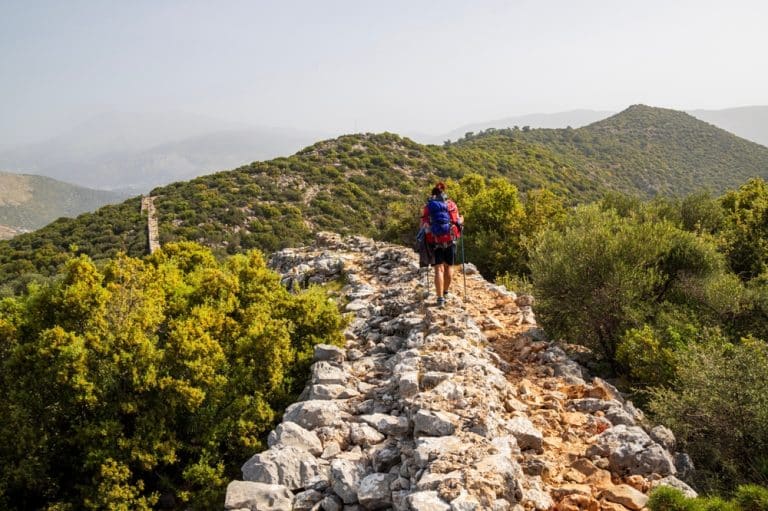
[(149, 381), (29, 202)]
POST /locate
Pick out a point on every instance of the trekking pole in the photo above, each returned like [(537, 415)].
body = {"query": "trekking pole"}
[(463, 266)]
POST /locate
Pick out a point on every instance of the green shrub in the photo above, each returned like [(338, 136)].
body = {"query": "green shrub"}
[(665, 498), (718, 409), (717, 504), (747, 498), (751, 497), (148, 377), (600, 275)]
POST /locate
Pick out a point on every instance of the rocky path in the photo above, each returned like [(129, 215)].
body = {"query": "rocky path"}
[(465, 407)]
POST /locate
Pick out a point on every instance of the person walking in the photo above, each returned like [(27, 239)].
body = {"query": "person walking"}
[(442, 222)]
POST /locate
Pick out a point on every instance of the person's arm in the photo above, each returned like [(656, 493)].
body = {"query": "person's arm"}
[(456, 218)]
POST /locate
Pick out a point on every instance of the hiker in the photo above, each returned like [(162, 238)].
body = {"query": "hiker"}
[(442, 222)]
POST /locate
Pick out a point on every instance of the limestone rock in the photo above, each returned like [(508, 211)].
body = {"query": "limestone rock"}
[(503, 505), (618, 415), (257, 496), (306, 500), (429, 448), (285, 466), (465, 502), (325, 373), (683, 464), (626, 496), (664, 437), (388, 424), (651, 459), (430, 423), (330, 392), (293, 435), (538, 499), (427, 501), (328, 353), (674, 482), (364, 435), (408, 384), (331, 503), (345, 478), (528, 437), (431, 481), (631, 451), (386, 456), (374, 492), (312, 414)]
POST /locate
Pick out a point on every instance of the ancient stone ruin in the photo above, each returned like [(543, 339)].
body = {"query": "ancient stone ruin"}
[(466, 407), (153, 234)]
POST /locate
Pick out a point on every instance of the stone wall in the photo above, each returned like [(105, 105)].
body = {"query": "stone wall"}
[(458, 408)]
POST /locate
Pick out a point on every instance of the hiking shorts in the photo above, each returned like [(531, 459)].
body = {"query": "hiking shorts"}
[(445, 255)]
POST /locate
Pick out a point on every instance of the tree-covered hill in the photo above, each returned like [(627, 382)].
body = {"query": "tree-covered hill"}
[(356, 183), (648, 151), (29, 202)]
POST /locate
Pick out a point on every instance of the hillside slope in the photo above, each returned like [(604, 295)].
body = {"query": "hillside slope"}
[(28, 202), (349, 184), (345, 185), (457, 408), (651, 151)]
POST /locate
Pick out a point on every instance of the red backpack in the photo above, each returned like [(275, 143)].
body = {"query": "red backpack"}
[(443, 219)]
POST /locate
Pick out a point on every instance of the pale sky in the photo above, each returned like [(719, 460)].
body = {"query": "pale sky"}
[(357, 65)]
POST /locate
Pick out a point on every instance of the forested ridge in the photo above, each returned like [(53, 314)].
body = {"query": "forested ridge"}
[(666, 288), (647, 151)]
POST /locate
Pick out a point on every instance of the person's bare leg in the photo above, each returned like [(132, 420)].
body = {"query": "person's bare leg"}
[(439, 280), (447, 277)]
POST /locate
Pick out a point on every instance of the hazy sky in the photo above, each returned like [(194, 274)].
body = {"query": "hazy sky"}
[(357, 65)]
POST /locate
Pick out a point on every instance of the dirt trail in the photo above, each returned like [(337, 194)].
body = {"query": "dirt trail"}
[(575, 483)]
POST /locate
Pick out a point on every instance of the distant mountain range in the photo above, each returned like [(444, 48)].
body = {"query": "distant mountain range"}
[(750, 122), (140, 151), (28, 202), (136, 152)]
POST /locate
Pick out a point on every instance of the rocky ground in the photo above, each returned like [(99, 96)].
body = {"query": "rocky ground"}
[(466, 407)]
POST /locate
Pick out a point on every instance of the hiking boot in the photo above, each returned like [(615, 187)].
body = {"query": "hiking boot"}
[(446, 294), (440, 301)]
